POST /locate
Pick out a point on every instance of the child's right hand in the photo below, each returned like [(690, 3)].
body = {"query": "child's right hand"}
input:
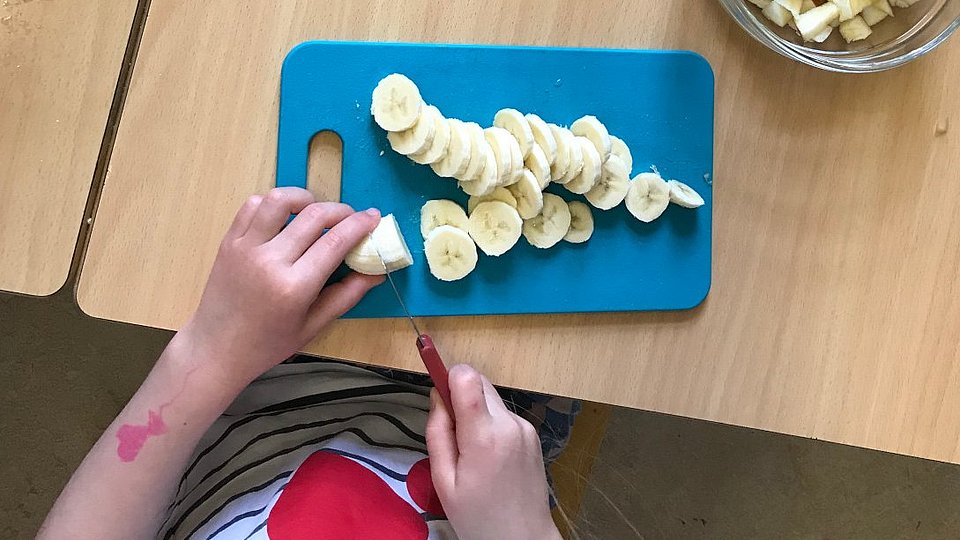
[(267, 295), (487, 468)]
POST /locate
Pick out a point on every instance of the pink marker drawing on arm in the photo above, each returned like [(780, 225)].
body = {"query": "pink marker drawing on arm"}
[(132, 437)]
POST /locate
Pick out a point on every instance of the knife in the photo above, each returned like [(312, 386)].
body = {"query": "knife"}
[(428, 351)]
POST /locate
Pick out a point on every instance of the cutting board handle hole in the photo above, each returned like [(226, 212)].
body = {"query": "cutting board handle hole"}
[(324, 165)]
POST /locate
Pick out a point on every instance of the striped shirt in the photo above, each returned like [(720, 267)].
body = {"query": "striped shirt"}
[(313, 449)]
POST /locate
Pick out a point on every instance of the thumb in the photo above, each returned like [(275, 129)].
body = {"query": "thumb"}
[(441, 445)]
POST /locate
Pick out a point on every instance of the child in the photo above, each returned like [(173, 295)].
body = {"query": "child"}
[(312, 449)]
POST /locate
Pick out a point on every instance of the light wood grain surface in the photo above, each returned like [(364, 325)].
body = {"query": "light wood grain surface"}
[(835, 306), (59, 62)]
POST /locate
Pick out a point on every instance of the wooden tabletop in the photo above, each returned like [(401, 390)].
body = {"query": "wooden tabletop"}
[(835, 306), (59, 63)]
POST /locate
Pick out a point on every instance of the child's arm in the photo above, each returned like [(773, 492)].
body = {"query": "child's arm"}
[(264, 300), (487, 467)]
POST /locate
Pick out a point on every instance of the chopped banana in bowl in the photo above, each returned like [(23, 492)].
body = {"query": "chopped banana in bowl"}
[(850, 36)]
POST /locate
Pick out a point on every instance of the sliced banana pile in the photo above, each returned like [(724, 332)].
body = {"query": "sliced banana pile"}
[(505, 169), (815, 20)]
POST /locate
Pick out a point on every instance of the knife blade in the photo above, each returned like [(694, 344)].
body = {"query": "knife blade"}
[(428, 351)]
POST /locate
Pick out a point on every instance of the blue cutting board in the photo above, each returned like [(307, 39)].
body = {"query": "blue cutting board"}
[(659, 102)]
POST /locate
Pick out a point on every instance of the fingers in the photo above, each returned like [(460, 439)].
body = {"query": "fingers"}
[(494, 402), (241, 222), (469, 405), (338, 298), (441, 445), (308, 226), (326, 254), (274, 210)]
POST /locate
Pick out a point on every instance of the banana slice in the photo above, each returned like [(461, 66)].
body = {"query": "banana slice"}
[(495, 227), (538, 165), (684, 195), (438, 148), (613, 185), (450, 252), (396, 103), (486, 181), (419, 137), (581, 223), (441, 212), (528, 195), (516, 162), (590, 173), (591, 128), (499, 140), (457, 158), (513, 121), (647, 197), (576, 157), (543, 136), (386, 238), (501, 194), (551, 225), (478, 145), (561, 162), (621, 150)]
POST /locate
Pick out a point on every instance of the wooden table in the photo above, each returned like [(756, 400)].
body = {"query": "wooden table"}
[(59, 63), (835, 307)]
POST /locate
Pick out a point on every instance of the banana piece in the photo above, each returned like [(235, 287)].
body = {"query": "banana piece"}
[(621, 150), (855, 29), (513, 121), (590, 173), (561, 162), (495, 227), (438, 148), (647, 197), (543, 136), (613, 185), (499, 140), (486, 181), (684, 195), (365, 258), (581, 223), (419, 137), (529, 197), (591, 128), (576, 157), (550, 225), (516, 162), (538, 165), (396, 103), (812, 23), (441, 212), (501, 194), (478, 146), (456, 160), (451, 253)]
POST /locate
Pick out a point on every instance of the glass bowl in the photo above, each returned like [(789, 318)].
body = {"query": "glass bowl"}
[(910, 34)]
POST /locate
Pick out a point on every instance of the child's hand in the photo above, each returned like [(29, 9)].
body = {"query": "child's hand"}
[(266, 296), (487, 468)]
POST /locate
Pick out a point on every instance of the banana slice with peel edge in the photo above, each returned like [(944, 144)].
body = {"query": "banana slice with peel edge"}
[(441, 212), (550, 225), (450, 252), (396, 103), (385, 241), (647, 197), (581, 223), (495, 226)]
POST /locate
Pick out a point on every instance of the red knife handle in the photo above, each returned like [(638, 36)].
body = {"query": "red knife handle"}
[(436, 369)]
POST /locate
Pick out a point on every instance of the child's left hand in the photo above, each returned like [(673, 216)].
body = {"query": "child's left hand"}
[(267, 295)]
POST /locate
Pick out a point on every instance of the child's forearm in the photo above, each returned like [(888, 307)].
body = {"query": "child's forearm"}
[(125, 483)]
